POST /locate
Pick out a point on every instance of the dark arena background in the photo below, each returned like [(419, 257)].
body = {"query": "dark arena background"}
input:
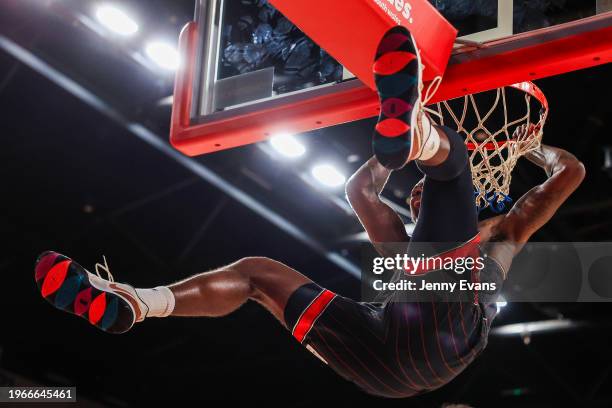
[(87, 170)]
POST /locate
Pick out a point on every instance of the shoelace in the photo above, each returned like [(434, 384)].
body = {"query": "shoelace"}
[(110, 278), (105, 268), (432, 89)]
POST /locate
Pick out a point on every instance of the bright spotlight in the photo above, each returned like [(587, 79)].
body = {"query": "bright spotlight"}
[(328, 175), (163, 54), (501, 304), (116, 20), (287, 145)]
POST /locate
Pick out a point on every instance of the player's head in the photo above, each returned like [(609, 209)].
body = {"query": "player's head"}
[(415, 199)]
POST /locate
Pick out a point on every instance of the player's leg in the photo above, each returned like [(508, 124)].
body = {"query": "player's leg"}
[(347, 335), (404, 132), (222, 291), (115, 307), (448, 211)]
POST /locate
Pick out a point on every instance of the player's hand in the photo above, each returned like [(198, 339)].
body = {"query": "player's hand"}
[(522, 134)]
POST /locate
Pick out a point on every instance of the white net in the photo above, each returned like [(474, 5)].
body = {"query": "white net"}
[(496, 137)]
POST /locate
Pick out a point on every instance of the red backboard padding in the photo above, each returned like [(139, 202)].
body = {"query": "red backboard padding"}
[(349, 30)]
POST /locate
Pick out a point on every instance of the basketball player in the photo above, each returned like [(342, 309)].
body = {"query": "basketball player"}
[(391, 349)]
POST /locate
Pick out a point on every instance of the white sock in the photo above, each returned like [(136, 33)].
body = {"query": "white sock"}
[(159, 300), (431, 138)]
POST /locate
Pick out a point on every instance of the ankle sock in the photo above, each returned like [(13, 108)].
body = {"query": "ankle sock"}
[(431, 140), (159, 300)]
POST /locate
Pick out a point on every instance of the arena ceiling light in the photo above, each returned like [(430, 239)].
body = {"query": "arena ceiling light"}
[(328, 175), (163, 54), (116, 20), (501, 304), (544, 326), (287, 145)]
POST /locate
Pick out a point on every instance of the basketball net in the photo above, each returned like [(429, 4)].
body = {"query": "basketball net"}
[(494, 153)]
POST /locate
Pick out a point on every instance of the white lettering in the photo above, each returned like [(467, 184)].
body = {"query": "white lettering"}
[(387, 10), (423, 264), (478, 286), (407, 12), (378, 269), (399, 5), (442, 286), (399, 285), (377, 285)]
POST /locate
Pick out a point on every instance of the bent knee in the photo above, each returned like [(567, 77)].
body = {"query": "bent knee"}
[(254, 262), (269, 275)]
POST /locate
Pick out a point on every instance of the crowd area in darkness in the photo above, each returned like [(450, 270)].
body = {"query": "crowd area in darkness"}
[(256, 36)]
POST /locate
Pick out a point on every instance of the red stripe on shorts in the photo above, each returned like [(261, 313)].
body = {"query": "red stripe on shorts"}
[(311, 314)]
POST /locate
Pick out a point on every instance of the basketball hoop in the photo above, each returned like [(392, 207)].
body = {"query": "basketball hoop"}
[(493, 154)]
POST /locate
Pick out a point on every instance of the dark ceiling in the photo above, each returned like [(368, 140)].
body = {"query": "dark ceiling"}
[(87, 170)]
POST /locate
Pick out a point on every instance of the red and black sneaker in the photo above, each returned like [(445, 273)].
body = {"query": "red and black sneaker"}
[(398, 75), (111, 307)]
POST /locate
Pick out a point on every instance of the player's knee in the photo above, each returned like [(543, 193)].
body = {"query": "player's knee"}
[(252, 263), (253, 271), (262, 272), (255, 268)]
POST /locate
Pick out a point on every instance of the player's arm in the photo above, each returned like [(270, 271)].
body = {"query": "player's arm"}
[(363, 190), (565, 173)]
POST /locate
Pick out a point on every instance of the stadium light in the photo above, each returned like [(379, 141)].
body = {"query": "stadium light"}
[(116, 20), (501, 304), (163, 54), (287, 145), (543, 326), (328, 175)]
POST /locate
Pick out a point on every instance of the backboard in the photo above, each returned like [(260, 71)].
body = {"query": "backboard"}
[(248, 73)]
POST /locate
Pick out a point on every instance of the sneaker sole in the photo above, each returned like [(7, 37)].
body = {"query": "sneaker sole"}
[(67, 286), (397, 75)]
